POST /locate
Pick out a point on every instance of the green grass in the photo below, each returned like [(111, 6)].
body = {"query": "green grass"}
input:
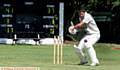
[(42, 56)]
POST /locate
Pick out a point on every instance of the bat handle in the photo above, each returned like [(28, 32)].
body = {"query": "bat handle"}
[(71, 23)]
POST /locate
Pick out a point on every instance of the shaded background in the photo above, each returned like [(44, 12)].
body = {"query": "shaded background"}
[(28, 20)]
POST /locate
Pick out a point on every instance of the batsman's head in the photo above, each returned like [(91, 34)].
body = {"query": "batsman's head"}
[(82, 11)]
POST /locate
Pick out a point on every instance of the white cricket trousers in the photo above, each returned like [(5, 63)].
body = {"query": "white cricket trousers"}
[(87, 42)]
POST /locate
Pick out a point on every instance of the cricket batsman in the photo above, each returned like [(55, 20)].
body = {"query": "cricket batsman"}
[(89, 39)]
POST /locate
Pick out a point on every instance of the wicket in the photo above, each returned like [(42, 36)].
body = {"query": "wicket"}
[(58, 50)]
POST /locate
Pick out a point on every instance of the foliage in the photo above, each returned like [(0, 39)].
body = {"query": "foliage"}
[(94, 6)]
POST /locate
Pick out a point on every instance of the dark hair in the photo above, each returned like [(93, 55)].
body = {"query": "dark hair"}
[(82, 9)]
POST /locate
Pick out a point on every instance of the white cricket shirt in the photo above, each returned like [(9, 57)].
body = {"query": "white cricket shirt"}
[(91, 24)]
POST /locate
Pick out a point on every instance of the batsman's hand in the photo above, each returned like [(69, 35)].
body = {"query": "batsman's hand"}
[(72, 30)]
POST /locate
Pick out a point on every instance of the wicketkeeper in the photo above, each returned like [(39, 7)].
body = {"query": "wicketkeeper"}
[(90, 38)]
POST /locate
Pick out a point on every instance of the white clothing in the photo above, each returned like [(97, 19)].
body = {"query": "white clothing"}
[(91, 24), (91, 37)]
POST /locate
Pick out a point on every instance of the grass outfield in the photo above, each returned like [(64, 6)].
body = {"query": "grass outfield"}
[(42, 56)]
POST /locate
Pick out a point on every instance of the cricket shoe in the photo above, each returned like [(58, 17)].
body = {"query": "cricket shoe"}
[(83, 63), (94, 64)]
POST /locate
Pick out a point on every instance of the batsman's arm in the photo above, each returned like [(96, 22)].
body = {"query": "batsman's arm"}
[(79, 25)]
